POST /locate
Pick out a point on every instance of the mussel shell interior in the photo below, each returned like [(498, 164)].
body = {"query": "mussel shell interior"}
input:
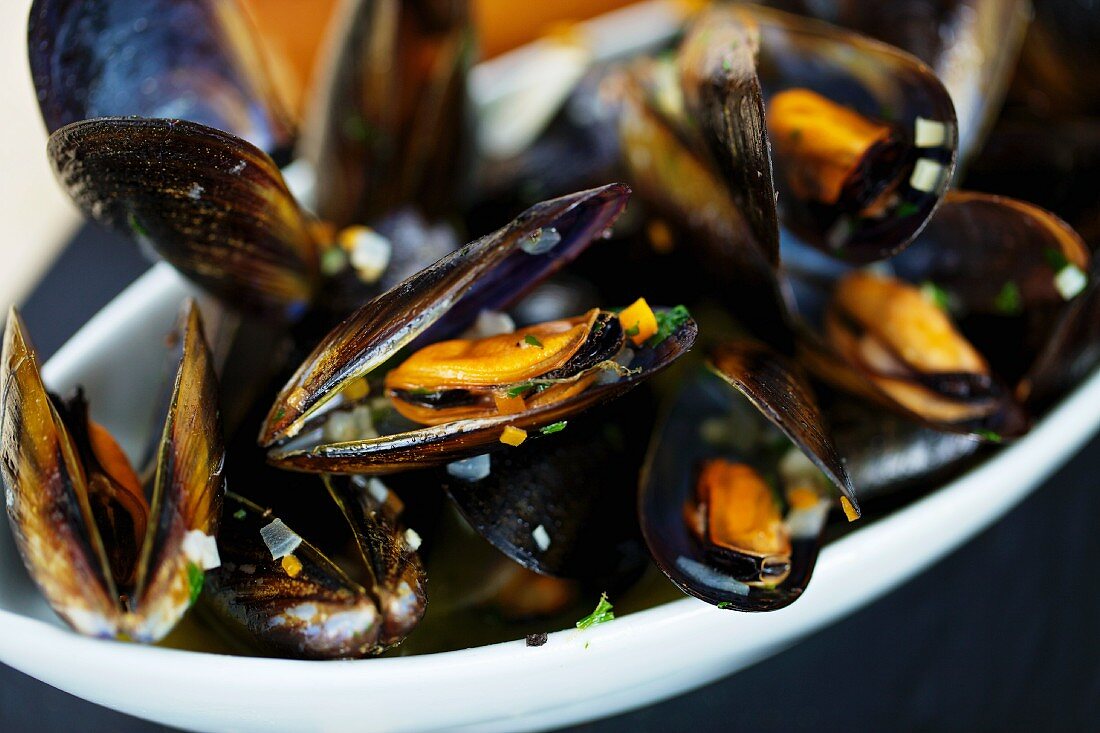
[(667, 482), (979, 248)]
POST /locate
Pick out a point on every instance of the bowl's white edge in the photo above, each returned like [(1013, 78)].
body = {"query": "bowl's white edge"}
[(576, 675)]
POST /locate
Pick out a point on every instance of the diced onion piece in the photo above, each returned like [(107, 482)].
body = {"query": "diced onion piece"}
[(412, 540), (471, 469), (513, 436), (280, 539), (368, 251), (541, 538), (201, 549), (638, 322), (927, 175), (1070, 281), (929, 133)]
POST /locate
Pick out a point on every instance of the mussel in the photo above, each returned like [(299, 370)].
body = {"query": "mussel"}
[(738, 482), (971, 45), (475, 395), (114, 555), (944, 338), (189, 59), (862, 136), (295, 598)]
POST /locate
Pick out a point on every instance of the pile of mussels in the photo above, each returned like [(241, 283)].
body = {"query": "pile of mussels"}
[(856, 324)]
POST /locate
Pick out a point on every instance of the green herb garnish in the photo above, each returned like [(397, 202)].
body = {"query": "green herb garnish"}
[(990, 435), (240, 514), (195, 576), (604, 612), (725, 604), (136, 226), (1055, 258), (520, 389), (1009, 301), (907, 208), (668, 322), (532, 340), (936, 295), (554, 428), (633, 331)]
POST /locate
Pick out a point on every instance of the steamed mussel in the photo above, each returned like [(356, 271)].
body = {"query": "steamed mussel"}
[(115, 555), (748, 133)]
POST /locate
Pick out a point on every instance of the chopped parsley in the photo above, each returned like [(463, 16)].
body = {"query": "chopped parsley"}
[(668, 323), (195, 576), (280, 414), (936, 295), (907, 208), (727, 64), (554, 428), (1009, 301), (604, 612), (532, 340), (240, 514), (991, 436), (1055, 258), (725, 604), (136, 226), (633, 331), (520, 389)]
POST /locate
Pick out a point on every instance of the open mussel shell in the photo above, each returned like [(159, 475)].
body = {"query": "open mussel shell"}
[(1007, 270), (709, 420), (390, 127), (1003, 270), (488, 274), (737, 60), (971, 45), (77, 517), (564, 506), (209, 203), (190, 59), (304, 604), (439, 444)]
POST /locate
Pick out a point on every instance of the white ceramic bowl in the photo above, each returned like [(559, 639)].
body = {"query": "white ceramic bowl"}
[(635, 660)]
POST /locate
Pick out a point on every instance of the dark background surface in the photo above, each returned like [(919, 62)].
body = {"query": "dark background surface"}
[(1004, 634)]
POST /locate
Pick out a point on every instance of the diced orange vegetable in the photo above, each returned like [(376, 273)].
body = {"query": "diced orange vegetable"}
[(292, 565), (509, 405), (513, 436), (638, 321), (849, 510), (802, 497), (357, 390)]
